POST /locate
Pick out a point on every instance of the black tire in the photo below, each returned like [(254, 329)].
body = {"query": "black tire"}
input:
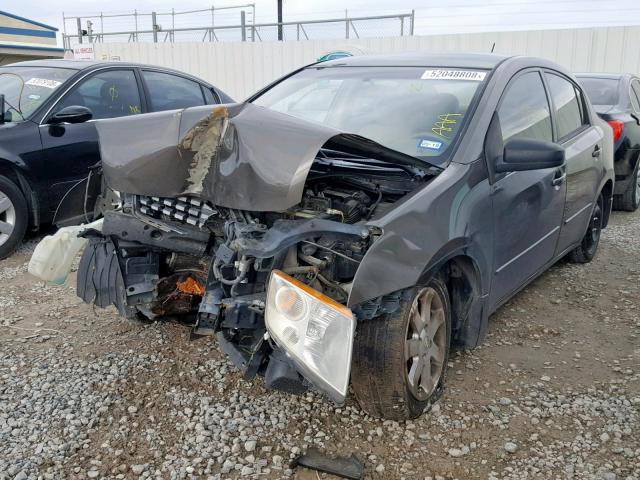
[(588, 247), (381, 367), (629, 200), (14, 219)]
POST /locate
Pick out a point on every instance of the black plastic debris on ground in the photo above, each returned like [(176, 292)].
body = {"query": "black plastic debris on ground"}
[(345, 467)]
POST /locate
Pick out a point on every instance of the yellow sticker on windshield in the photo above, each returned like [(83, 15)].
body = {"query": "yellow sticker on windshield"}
[(442, 74), (445, 124)]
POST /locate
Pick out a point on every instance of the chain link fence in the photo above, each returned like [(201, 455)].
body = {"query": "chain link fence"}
[(218, 24)]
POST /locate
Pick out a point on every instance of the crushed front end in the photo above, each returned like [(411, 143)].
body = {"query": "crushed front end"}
[(266, 267)]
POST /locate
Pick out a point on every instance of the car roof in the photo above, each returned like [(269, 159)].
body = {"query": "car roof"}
[(420, 59), (610, 76), (81, 65), (59, 63)]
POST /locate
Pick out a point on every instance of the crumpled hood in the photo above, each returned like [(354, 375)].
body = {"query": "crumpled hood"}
[(236, 156)]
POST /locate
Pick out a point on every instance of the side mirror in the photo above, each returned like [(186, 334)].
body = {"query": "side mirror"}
[(72, 114), (521, 154), (1, 109)]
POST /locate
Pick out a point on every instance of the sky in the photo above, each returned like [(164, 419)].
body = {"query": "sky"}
[(431, 16)]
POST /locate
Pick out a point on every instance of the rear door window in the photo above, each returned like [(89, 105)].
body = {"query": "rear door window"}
[(209, 96), (524, 109), (566, 101), (171, 92), (635, 94)]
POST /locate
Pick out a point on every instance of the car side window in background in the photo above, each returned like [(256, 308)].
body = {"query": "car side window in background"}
[(524, 111), (601, 91), (170, 92), (569, 115), (635, 94), (108, 94), (209, 97), (582, 105)]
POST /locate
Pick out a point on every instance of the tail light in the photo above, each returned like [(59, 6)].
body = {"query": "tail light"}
[(618, 128)]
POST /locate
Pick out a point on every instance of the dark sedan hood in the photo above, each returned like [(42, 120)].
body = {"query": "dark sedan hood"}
[(237, 156)]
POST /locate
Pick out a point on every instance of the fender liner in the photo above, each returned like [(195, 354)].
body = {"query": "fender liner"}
[(466, 290)]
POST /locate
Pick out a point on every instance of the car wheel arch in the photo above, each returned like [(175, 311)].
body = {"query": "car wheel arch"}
[(462, 275), (12, 172), (607, 194), (467, 273)]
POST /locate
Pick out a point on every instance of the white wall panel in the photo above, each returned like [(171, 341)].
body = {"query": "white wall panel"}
[(242, 68)]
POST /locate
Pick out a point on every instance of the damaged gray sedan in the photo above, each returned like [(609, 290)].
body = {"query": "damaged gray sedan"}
[(354, 219)]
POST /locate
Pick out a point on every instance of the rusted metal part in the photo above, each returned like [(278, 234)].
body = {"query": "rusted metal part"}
[(177, 294), (190, 286), (345, 467)]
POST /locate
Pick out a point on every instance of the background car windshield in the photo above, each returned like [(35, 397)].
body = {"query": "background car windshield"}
[(398, 107), (601, 91), (26, 88)]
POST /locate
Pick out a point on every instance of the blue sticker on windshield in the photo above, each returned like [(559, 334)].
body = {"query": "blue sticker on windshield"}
[(429, 145)]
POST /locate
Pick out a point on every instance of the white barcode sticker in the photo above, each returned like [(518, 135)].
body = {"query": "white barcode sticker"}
[(442, 74), (43, 82), (430, 144)]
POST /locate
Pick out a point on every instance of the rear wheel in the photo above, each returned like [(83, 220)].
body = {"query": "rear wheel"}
[(400, 359), (630, 200), (585, 252), (14, 217)]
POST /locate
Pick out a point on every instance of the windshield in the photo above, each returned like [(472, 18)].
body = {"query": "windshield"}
[(416, 111), (601, 91), (26, 88)]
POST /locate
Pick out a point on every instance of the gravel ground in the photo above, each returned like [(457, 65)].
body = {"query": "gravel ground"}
[(553, 393)]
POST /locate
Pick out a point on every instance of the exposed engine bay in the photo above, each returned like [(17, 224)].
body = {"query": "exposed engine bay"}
[(223, 270)]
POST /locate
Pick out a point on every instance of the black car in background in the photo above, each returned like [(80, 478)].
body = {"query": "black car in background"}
[(49, 152), (616, 98)]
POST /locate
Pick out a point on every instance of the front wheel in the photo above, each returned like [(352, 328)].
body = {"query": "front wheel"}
[(400, 359), (585, 252), (14, 217)]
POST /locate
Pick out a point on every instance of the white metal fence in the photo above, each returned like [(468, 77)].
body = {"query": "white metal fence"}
[(242, 68), (230, 23)]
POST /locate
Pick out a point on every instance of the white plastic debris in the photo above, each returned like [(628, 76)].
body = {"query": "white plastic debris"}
[(53, 256)]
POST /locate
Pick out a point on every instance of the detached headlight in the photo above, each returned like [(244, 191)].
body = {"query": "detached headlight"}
[(315, 330)]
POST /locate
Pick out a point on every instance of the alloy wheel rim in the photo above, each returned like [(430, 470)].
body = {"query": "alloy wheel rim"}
[(594, 228), (7, 218), (637, 188), (425, 344)]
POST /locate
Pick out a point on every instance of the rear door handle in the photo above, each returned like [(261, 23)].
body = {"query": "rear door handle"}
[(596, 152)]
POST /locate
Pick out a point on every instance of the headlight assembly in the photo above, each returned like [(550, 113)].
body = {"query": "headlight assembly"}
[(314, 330)]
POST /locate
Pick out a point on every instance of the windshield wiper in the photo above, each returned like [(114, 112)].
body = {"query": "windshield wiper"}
[(412, 168), (339, 157), (359, 146)]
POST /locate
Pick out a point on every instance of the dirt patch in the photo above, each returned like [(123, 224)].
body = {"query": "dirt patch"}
[(553, 393)]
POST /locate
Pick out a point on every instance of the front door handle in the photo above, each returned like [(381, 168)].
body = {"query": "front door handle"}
[(596, 152), (559, 179)]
